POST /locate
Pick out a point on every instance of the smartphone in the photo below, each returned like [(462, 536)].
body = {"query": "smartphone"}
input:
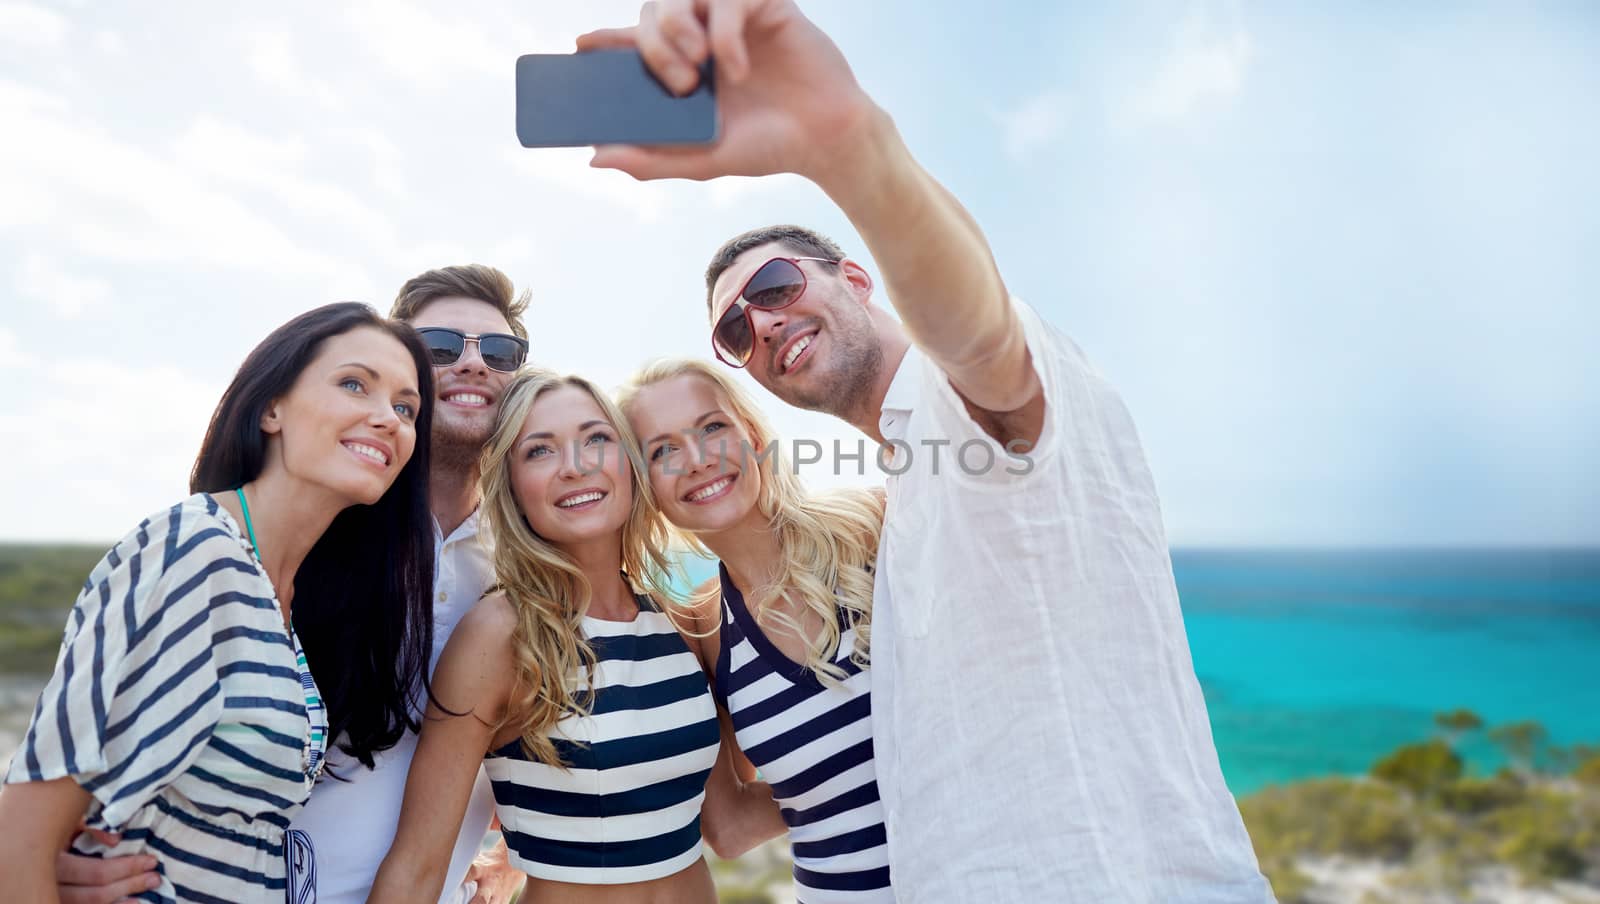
[(607, 97)]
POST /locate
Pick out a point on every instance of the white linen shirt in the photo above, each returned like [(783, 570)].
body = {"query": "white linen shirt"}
[(1039, 729), (352, 823)]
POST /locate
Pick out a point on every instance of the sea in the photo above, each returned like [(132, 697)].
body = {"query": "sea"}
[(1320, 662)]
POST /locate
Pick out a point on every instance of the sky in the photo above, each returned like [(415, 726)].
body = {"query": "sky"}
[(1340, 259)]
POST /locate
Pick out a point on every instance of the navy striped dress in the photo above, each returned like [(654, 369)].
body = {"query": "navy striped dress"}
[(813, 745), (628, 807), (181, 702)]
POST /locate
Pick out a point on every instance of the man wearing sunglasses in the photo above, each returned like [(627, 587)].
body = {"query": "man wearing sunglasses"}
[(1039, 731), (470, 318)]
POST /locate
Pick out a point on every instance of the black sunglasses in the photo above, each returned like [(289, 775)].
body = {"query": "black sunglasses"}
[(498, 350)]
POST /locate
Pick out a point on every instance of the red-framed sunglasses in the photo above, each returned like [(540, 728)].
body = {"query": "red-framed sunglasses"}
[(774, 286)]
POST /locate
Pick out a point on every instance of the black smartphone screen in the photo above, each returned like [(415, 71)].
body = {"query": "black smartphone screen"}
[(607, 97)]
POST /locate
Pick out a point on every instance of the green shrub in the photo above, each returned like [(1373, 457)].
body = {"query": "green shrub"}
[(1421, 814), (1522, 743), (1456, 723), (38, 585), (1422, 768), (1540, 857), (1330, 816), (1588, 772), (1289, 885), (1538, 836), (1474, 796)]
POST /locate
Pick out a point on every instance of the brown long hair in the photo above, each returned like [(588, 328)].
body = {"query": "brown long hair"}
[(364, 594)]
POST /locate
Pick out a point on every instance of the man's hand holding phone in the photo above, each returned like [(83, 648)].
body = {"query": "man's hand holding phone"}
[(787, 98)]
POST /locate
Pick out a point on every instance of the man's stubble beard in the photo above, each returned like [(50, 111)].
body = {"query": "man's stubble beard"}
[(857, 361), (459, 449)]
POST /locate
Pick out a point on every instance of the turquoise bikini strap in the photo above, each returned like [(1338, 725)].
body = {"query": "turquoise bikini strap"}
[(249, 529)]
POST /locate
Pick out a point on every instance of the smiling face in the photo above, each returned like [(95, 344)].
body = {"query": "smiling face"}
[(702, 459), (821, 352), (348, 424), (569, 475), (468, 391)]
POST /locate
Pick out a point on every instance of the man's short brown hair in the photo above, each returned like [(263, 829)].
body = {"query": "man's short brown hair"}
[(804, 242), (478, 282)]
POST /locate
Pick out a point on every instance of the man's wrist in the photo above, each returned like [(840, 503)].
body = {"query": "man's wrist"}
[(854, 171)]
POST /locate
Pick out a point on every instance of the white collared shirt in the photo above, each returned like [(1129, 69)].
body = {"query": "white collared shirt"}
[(352, 823), (1039, 731)]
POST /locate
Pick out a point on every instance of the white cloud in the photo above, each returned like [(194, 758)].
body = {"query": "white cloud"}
[(388, 169), (416, 43), (27, 201), (732, 191), (214, 200), (24, 203), (12, 354), (43, 279), (110, 43), (1205, 66), (20, 98), (231, 151), (32, 26), (115, 440), (512, 247), (567, 170), (273, 57), (271, 167), (1037, 123), (271, 170), (426, 49)]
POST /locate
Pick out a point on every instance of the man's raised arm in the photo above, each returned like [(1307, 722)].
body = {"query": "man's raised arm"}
[(789, 103)]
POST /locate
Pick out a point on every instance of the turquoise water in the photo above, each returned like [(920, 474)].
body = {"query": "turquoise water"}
[(1320, 662)]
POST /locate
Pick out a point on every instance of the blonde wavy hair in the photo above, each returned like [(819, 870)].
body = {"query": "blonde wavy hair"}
[(545, 587), (829, 540)]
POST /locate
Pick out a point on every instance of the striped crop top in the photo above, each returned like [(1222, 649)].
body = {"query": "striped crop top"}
[(813, 744), (183, 704), (628, 807)]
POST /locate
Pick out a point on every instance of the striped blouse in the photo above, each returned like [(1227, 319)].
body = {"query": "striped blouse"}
[(182, 703), (628, 808), (813, 745)]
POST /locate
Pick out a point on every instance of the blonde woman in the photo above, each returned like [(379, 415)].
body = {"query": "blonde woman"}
[(592, 710), (788, 652)]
